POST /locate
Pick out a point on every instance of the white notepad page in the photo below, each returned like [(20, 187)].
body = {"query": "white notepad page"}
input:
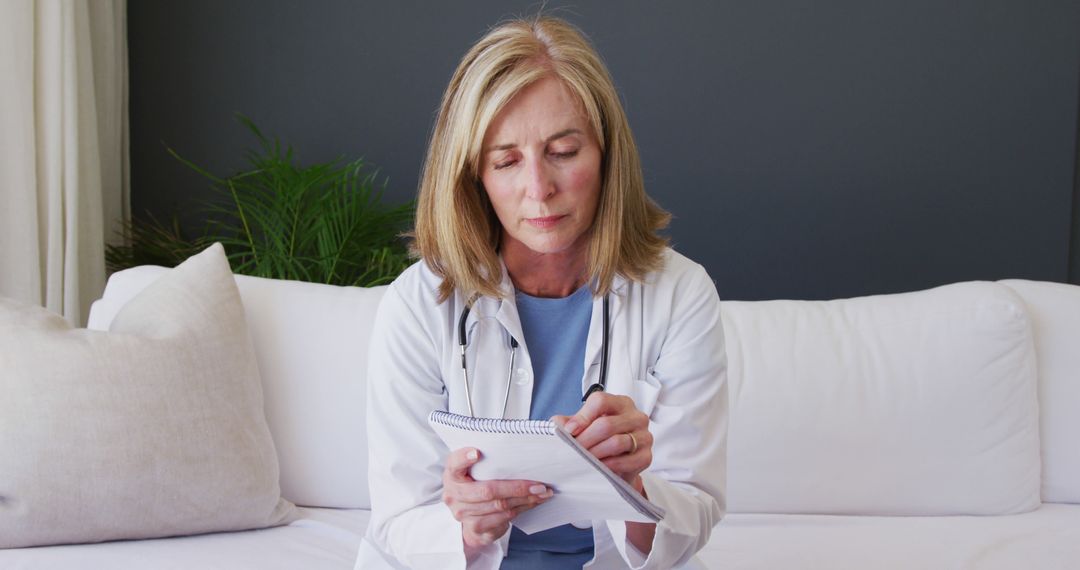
[(538, 450)]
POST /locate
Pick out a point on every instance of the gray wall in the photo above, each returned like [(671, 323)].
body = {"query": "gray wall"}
[(807, 149)]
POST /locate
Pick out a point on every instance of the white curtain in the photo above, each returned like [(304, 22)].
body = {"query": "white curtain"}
[(64, 182)]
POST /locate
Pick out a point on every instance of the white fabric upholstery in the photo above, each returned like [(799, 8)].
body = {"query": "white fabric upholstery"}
[(913, 404), (837, 406), (311, 343), (153, 429), (321, 539), (1055, 314), (1046, 539), (324, 539)]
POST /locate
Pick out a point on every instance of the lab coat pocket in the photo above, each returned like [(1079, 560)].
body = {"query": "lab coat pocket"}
[(646, 392)]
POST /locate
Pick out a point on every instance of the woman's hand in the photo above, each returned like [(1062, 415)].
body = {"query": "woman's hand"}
[(485, 508), (616, 432)]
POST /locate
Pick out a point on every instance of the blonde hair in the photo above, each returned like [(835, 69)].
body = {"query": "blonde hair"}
[(457, 233)]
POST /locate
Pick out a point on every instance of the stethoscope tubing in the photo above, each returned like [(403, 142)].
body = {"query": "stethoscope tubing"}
[(602, 384)]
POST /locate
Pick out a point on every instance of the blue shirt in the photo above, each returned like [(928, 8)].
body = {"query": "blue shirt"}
[(555, 333)]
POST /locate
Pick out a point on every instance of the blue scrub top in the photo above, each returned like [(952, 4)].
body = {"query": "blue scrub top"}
[(555, 333)]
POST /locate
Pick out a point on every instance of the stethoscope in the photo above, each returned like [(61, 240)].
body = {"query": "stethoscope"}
[(599, 386)]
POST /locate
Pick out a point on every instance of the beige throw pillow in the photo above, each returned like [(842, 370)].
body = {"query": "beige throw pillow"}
[(153, 429)]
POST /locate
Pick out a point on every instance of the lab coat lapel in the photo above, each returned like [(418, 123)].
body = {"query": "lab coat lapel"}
[(489, 325), (506, 315), (521, 377)]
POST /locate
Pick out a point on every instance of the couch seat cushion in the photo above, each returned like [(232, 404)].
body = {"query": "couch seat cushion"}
[(1047, 539)]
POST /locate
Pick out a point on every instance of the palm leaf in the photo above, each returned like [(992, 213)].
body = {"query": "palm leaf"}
[(325, 222)]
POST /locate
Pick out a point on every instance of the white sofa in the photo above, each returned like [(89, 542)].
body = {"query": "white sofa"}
[(881, 432)]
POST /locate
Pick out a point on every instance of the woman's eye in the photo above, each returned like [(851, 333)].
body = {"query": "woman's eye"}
[(567, 154), (502, 165)]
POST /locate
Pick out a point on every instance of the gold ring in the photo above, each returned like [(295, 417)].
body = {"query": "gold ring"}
[(633, 444)]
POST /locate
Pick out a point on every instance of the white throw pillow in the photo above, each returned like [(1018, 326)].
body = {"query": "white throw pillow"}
[(311, 341), (153, 429), (912, 404), (1055, 316)]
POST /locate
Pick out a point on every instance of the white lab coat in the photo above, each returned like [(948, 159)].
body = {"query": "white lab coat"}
[(666, 352)]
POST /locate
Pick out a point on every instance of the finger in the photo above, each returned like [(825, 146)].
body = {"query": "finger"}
[(606, 427), (628, 465), (488, 527), (518, 488), (515, 504), (460, 461), (621, 444), (487, 491), (599, 404), (523, 508), (560, 420)]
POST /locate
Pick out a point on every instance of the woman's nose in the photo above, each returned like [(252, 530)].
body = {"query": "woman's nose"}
[(539, 184)]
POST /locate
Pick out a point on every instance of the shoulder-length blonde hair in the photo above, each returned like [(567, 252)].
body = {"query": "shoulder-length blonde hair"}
[(457, 233)]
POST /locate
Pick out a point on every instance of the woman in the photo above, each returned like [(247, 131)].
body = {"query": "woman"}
[(532, 224)]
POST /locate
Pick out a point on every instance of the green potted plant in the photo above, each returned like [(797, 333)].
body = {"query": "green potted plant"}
[(324, 223)]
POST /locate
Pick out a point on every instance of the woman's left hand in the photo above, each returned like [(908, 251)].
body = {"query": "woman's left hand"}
[(616, 432)]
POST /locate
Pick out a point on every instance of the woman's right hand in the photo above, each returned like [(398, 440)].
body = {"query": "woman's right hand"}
[(485, 508)]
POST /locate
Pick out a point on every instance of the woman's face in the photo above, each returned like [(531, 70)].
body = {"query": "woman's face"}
[(540, 165)]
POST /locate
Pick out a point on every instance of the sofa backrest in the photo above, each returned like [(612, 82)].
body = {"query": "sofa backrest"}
[(311, 342), (1054, 309), (912, 403), (918, 403)]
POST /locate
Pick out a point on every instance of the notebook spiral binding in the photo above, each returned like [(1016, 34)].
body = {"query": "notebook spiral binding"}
[(493, 425)]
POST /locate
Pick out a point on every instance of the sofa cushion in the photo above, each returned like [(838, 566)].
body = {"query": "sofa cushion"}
[(1055, 314), (311, 342), (321, 539), (1047, 538), (153, 429), (919, 403)]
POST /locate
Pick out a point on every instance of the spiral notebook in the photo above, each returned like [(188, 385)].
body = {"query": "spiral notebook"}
[(538, 450)]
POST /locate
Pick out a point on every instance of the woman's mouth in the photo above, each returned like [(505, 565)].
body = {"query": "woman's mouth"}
[(545, 222)]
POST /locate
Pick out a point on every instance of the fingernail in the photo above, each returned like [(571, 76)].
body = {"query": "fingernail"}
[(538, 489), (548, 494), (571, 426), (472, 455)]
